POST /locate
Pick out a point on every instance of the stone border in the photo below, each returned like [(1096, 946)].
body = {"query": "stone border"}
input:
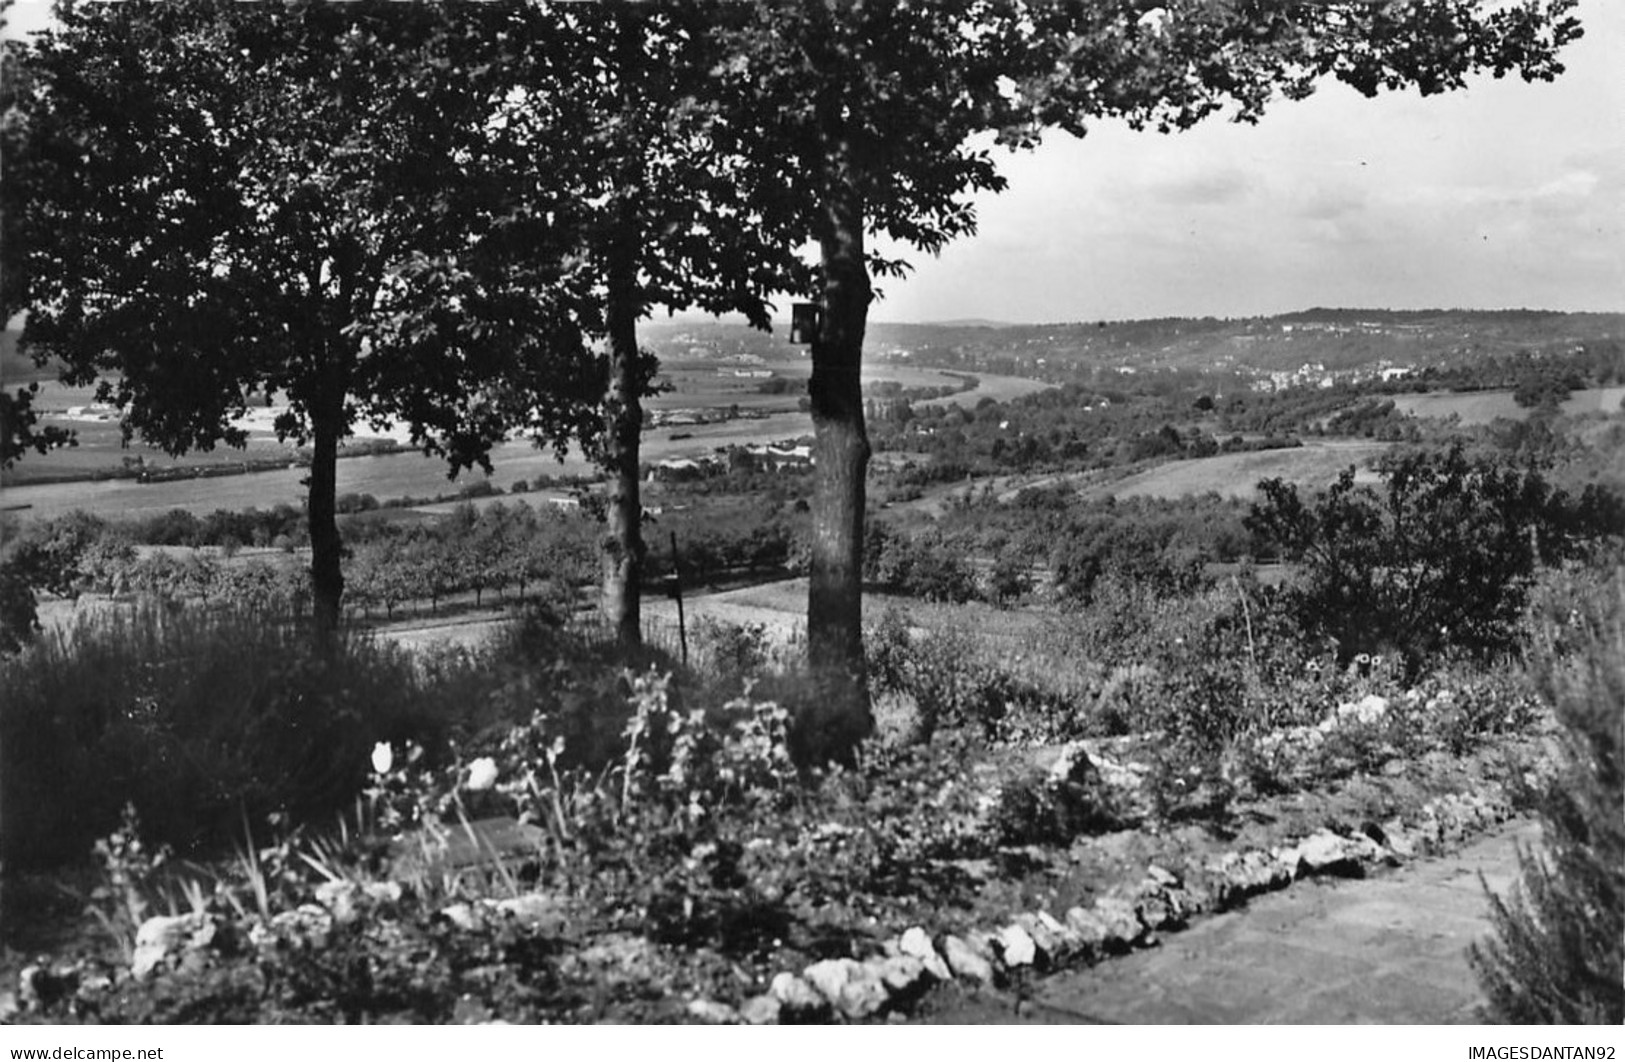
[(911, 964), (890, 983)]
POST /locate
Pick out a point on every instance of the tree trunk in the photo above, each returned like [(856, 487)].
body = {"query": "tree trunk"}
[(326, 549), (841, 459), (623, 550)]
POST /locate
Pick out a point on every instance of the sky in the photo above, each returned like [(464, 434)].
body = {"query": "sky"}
[(1504, 195), (1507, 194)]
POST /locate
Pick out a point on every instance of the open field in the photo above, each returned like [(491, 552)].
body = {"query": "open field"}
[(384, 475), (399, 475), (1482, 407), (1314, 464)]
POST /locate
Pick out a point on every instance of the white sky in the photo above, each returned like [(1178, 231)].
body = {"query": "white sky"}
[(1506, 194)]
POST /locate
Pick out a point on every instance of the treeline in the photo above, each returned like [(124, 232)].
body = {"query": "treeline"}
[(1072, 428), (1595, 363), (1165, 542)]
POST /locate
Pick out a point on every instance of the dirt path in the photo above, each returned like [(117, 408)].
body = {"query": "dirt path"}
[(1391, 949)]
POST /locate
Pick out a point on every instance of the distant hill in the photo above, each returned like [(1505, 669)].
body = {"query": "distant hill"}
[(1332, 338), (1335, 339)]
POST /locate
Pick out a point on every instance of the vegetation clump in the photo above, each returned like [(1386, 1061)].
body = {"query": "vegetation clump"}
[(1558, 952)]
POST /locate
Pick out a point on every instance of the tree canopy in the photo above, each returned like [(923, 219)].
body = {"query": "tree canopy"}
[(662, 219), (218, 204), (862, 119)]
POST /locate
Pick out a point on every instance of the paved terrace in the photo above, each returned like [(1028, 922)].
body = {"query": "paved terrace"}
[(1390, 949)]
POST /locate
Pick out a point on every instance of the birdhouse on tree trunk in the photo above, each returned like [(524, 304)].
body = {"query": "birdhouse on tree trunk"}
[(804, 320)]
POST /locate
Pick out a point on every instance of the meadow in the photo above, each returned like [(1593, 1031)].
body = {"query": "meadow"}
[(1483, 407), (770, 418)]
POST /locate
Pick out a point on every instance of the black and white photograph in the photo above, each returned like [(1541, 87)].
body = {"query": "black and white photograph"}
[(947, 513)]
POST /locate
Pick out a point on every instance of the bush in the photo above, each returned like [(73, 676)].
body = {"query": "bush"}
[(1558, 954), (1010, 579), (923, 566), (1445, 558), (956, 681), (731, 653), (196, 717), (1054, 806), (19, 616)]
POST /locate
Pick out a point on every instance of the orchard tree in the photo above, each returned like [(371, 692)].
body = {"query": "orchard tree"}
[(863, 119), (210, 204)]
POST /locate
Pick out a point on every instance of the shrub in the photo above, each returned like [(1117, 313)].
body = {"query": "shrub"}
[(195, 717), (922, 566), (19, 617), (731, 653), (1444, 558), (1010, 579), (1558, 953), (1056, 805)]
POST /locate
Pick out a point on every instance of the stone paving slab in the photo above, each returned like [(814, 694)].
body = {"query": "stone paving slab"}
[(1391, 949)]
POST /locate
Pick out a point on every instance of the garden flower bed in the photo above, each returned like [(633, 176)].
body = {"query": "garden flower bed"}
[(704, 879)]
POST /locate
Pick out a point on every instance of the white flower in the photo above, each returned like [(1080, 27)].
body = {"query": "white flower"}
[(383, 757), (1154, 20), (482, 773)]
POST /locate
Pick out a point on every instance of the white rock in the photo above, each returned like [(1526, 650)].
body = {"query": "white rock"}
[(1287, 859), (1068, 939), (851, 987), (1162, 877), (1363, 848), (1091, 931), (163, 938), (761, 1010), (1017, 947), (1119, 920), (1368, 710), (830, 976), (964, 960), (712, 1012), (1072, 766), (1323, 850), (795, 994), (28, 986), (1048, 942), (1399, 839), (461, 915), (1155, 910), (901, 974), (916, 942)]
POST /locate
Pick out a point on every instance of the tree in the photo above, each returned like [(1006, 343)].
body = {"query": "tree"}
[(660, 218), (862, 118), (1444, 555), (218, 203), (20, 431)]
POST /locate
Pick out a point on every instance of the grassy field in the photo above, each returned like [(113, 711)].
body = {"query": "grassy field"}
[(387, 476), (1482, 407), (1315, 464)]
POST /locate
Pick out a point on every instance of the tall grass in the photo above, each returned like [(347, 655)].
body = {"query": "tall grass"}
[(196, 717)]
